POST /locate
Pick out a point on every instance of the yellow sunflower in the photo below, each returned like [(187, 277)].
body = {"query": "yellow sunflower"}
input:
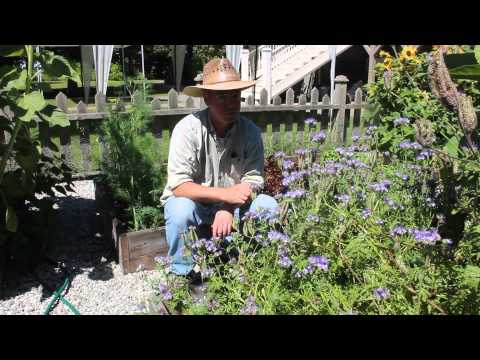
[(450, 49), (408, 53), (388, 60)]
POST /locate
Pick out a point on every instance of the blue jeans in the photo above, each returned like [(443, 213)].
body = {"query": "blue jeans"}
[(181, 212)]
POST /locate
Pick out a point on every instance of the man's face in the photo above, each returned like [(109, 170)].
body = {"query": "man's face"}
[(224, 105)]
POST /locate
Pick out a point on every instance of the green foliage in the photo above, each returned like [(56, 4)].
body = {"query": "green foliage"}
[(364, 250), (133, 167), (466, 65), (26, 168)]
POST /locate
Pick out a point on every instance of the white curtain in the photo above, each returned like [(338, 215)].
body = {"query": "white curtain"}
[(332, 50), (179, 52), (233, 54), (102, 56), (87, 68)]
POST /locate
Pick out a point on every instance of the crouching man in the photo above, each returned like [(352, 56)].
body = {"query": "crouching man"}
[(215, 159)]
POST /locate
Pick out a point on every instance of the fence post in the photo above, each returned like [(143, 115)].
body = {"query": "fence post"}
[(339, 100), (100, 101), (267, 71), (65, 138)]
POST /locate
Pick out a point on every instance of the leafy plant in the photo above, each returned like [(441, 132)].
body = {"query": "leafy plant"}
[(132, 166), (28, 165)]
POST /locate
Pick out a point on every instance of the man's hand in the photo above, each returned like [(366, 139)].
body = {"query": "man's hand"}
[(237, 194), (222, 224)]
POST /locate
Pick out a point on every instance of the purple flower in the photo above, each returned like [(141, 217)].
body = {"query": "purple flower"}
[(274, 235), (393, 204), (429, 237), (279, 154), (366, 213), (424, 154), (165, 292), (381, 293), (250, 307), (285, 261), (381, 186), (371, 130), (164, 261), (401, 176), (301, 152), (401, 121), (288, 164), (294, 176), (344, 199), (344, 152), (379, 222), (310, 121), (332, 168), (206, 273), (250, 215), (398, 231), (319, 137), (355, 138), (356, 164), (313, 218), (294, 194), (320, 262), (406, 144)]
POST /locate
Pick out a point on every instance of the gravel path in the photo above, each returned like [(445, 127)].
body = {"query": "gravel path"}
[(98, 286)]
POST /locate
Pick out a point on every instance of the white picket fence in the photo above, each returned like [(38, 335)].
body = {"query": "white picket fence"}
[(273, 118)]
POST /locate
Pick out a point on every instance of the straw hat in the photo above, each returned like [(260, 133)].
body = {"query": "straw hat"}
[(219, 75)]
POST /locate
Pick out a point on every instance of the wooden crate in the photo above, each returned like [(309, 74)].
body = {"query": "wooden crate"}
[(138, 249)]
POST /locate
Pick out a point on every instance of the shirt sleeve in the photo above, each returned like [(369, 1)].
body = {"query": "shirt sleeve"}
[(182, 163), (254, 161)]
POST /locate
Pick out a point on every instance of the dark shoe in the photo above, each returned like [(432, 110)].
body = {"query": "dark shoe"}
[(194, 278)]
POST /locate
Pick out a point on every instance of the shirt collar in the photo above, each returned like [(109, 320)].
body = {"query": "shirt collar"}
[(230, 132)]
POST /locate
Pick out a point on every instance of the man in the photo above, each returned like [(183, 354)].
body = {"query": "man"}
[(215, 159)]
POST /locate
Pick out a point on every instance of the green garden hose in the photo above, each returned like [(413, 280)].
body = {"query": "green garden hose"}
[(57, 294)]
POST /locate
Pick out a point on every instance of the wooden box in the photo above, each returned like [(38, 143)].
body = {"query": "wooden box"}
[(138, 249)]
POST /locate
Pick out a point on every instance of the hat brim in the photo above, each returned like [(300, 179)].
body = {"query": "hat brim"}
[(196, 91)]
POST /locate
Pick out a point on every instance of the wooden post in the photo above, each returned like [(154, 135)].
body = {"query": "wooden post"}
[(84, 129), (371, 51), (100, 101), (172, 99), (340, 97), (267, 71), (65, 139)]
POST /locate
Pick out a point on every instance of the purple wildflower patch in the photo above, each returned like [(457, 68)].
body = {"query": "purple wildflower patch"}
[(381, 293)]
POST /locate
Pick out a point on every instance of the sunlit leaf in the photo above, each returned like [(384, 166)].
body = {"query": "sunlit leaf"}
[(11, 220), (12, 50)]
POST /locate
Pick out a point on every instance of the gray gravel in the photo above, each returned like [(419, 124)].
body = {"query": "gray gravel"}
[(98, 286)]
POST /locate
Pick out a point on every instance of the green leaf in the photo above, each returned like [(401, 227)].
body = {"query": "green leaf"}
[(54, 116), (456, 60), (451, 147), (58, 67), (6, 71), (471, 72), (471, 276), (32, 102), (12, 50), (28, 161), (11, 220), (18, 83), (477, 53)]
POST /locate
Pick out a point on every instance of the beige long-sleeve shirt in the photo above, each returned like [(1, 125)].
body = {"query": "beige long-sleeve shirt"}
[(197, 155)]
